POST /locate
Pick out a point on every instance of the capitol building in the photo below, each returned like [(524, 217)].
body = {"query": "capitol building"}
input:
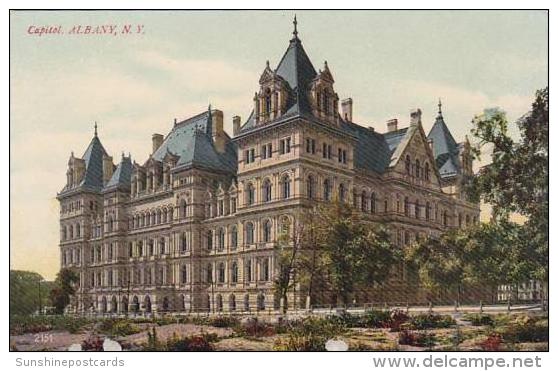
[(194, 227)]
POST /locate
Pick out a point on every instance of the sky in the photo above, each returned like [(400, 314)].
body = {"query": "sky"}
[(134, 85)]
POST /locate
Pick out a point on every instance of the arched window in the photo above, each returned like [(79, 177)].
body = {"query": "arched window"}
[(209, 273), (210, 239), (310, 191), (427, 171), (417, 209), (184, 274), (268, 102), (406, 206), (232, 303), (342, 192), (221, 275), (459, 219), (408, 165), (151, 245), (250, 194), (286, 187), (327, 190), (417, 168), (267, 231), (249, 233), (140, 248), (234, 237), (445, 218), (234, 272), (373, 203), (266, 190), (364, 201), (221, 239)]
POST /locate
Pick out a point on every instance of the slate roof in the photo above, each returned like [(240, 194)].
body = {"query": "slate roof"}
[(445, 148), (372, 151), (298, 72), (122, 176), (191, 141)]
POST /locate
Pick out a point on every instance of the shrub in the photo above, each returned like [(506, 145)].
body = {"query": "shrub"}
[(194, 343), (92, 344), (254, 328), (428, 321), (224, 322), (33, 324), (310, 334), (379, 318), (525, 329), (417, 339), (479, 319), (396, 320), (492, 343)]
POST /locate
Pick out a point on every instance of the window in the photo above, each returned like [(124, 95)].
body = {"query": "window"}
[(344, 156), (342, 192), (408, 165), (286, 187), (285, 146), (268, 102), (209, 274), (249, 155), (248, 270), (233, 205), (265, 269), (78, 230), (183, 242), (267, 231), (162, 245), (417, 168), (221, 239), (183, 274), (234, 272), (310, 192), (417, 209), (427, 171), (249, 233), (140, 248), (310, 145), (459, 219), (445, 218), (339, 155), (428, 211), (234, 237), (267, 190), (221, 208), (373, 203), (110, 247), (183, 208), (407, 206), (151, 247), (209, 239), (363, 201), (266, 151), (324, 150), (250, 194), (327, 190), (221, 275)]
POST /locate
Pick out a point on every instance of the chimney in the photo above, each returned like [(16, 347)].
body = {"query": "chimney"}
[(392, 125), (236, 124), (157, 140), (347, 109), (217, 133), (416, 116), (108, 168)]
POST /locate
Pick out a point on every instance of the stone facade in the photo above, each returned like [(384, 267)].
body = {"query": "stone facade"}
[(193, 228)]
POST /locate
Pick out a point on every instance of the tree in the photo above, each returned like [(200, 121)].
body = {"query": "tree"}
[(343, 251), (64, 288), (288, 246), (28, 292), (517, 179)]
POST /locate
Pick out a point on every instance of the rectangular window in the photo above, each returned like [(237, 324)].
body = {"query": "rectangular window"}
[(324, 150), (264, 152), (285, 146), (288, 145), (329, 151), (313, 146), (344, 156), (307, 145), (339, 155), (252, 155)]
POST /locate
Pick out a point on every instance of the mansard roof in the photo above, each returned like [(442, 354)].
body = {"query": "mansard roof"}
[(445, 148), (371, 151), (122, 176), (190, 140)]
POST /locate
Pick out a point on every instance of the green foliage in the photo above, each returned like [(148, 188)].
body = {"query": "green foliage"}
[(64, 289), (194, 343), (118, 327), (478, 319), (32, 324), (254, 328), (310, 334), (28, 292), (417, 339), (431, 321), (517, 179), (525, 329), (222, 321)]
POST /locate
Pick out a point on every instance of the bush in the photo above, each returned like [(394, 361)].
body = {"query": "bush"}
[(378, 318), (492, 343), (525, 329), (194, 343), (310, 334), (33, 324), (479, 319), (254, 328), (92, 344), (224, 322), (417, 339), (429, 321)]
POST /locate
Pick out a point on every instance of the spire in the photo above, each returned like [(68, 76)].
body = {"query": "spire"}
[(95, 128), (295, 31)]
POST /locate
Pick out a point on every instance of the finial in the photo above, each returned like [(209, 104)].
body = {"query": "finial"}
[(95, 128), (267, 64), (439, 107), (209, 107), (123, 155), (295, 32), (175, 120)]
